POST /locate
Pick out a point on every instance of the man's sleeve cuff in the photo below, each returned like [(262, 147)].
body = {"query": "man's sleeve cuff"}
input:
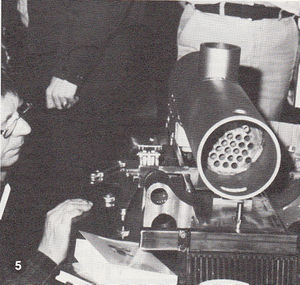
[(45, 263)]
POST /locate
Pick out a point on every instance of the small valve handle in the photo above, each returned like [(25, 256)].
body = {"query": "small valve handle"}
[(109, 200)]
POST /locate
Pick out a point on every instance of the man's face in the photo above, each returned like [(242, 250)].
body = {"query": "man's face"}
[(11, 146)]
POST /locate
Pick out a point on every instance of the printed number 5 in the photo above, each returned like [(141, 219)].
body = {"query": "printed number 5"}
[(18, 265)]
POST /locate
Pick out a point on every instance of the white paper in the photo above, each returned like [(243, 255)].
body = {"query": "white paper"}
[(107, 261), (65, 277)]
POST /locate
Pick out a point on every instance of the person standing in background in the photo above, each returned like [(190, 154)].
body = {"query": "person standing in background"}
[(73, 60), (65, 40), (267, 33), (112, 51)]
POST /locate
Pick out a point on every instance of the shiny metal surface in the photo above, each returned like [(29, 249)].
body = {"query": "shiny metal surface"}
[(219, 60), (209, 105), (163, 208)]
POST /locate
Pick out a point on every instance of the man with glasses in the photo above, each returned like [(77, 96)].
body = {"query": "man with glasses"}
[(53, 247)]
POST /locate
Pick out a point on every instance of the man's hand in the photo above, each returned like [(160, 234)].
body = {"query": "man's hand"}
[(60, 94), (56, 237)]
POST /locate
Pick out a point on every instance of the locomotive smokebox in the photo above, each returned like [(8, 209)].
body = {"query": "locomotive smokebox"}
[(237, 154)]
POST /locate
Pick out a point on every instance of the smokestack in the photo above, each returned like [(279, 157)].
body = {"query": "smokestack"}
[(219, 61)]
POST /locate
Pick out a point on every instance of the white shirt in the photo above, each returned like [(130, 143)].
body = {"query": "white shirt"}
[(4, 199), (292, 6)]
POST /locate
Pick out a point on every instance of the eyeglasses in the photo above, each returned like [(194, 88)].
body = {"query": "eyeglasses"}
[(21, 111)]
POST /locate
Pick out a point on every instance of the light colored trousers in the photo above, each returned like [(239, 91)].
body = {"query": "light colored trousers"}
[(268, 46)]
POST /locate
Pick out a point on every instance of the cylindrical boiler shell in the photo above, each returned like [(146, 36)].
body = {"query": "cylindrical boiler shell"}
[(208, 107)]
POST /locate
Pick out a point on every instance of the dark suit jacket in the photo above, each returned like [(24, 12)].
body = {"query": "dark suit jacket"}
[(37, 270), (73, 32), (18, 244)]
